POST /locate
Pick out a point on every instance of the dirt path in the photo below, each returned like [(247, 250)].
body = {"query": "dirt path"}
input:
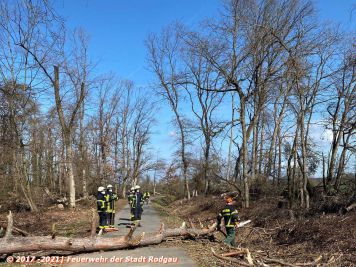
[(145, 256)]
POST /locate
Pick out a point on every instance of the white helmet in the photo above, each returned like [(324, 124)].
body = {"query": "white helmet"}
[(101, 189), (109, 186), (137, 187), (132, 188)]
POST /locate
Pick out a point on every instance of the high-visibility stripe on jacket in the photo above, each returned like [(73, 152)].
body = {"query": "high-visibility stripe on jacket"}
[(107, 202), (130, 198), (230, 215), (110, 199), (136, 200)]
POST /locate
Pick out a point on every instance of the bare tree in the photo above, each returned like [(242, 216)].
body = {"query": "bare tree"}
[(41, 16), (204, 104), (163, 61), (248, 48), (341, 110)]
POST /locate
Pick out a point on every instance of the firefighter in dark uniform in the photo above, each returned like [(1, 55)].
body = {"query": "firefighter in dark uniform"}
[(130, 199), (136, 205), (111, 197), (231, 221), (101, 205)]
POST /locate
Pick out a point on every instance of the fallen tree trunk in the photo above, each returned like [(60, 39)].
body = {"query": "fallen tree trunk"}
[(11, 244)]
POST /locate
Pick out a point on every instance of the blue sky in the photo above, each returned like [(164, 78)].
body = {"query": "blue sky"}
[(118, 29)]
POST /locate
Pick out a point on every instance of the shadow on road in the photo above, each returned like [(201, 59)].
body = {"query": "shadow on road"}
[(124, 219)]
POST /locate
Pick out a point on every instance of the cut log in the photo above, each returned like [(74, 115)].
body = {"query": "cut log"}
[(241, 251), (352, 206), (35, 243), (234, 253), (229, 259)]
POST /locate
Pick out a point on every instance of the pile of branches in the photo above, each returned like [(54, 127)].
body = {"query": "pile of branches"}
[(244, 257)]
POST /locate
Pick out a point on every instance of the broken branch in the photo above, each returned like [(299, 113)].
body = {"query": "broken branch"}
[(229, 259)]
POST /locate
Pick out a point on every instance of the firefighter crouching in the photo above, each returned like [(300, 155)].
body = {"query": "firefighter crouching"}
[(231, 221)]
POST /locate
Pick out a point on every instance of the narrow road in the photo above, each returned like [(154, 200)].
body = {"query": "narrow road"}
[(142, 256)]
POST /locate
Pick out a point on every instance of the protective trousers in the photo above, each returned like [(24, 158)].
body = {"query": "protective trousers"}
[(102, 220), (111, 219), (230, 236)]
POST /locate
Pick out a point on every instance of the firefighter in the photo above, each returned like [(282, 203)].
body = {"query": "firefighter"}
[(231, 221), (130, 199), (101, 205), (146, 197), (111, 197), (136, 205)]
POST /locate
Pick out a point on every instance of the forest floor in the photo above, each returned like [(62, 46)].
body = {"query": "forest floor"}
[(67, 222), (272, 234)]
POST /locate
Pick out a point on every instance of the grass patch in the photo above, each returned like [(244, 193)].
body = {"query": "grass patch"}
[(164, 200), (161, 206)]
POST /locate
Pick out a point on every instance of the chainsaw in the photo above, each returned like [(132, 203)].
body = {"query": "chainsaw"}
[(241, 224)]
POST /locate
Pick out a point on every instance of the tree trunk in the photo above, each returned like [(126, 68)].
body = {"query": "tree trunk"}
[(278, 122), (291, 171), (96, 243), (228, 174), (304, 168), (183, 158), (279, 175), (244, 153), (262, 120), (85, 189), (341, 166), (206, 166), (21, 176), (82, 152), (254, 147), (69, 164)]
